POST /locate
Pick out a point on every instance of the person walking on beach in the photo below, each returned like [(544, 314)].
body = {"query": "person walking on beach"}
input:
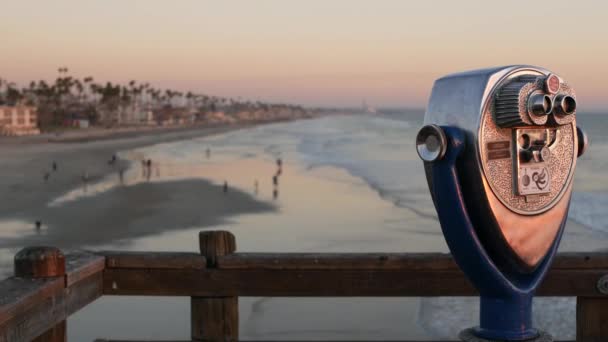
[(279, 166), (143, 168), (112, 160), (148, 169), (275, 193), (54, 165), (121, 174), (256, 187), (275, 179), (225, 187), (85, 180)]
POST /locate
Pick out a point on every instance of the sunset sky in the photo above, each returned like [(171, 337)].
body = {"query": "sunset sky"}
[(310, 52)]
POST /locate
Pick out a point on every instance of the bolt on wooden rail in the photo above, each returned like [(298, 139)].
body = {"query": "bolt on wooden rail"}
[(35, 303)]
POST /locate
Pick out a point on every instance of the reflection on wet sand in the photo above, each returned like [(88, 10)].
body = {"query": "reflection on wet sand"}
[(315, 213), (121, 176)]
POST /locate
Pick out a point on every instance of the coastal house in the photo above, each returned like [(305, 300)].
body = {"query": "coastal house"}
[(18, 120), (216, 118), (174, 116), (136, 115), (145, 117), (78, 115)]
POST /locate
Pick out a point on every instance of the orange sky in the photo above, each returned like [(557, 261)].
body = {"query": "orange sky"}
[(311, 52)]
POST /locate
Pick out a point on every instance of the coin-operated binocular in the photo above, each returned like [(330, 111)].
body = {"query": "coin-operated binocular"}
[(499, 148)]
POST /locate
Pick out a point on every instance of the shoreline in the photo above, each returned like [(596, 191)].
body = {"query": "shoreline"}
[(96, 133)]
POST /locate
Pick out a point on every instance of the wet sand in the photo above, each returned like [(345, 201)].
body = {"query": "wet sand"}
[(317, 210), (125, 213)]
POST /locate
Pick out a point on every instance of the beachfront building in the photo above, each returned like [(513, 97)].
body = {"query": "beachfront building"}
[(18, 120), (174, 116), (217, 118), (145, 117)]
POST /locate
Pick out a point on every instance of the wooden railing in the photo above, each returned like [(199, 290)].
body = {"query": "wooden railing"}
[(35, 303)]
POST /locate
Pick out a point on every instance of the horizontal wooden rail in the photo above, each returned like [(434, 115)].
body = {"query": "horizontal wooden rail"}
[(30, 307), (155, 260), (384, 261), (335, 275)]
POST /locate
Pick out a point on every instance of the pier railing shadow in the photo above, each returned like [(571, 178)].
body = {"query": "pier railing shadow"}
[(49, 285)]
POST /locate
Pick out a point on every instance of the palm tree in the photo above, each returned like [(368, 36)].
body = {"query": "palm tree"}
[(168, 96), (87, 82), (189, 98), (13, 95), (79, 89), (1, 93)]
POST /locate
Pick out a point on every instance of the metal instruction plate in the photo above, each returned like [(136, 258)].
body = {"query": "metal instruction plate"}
[(534, 179)]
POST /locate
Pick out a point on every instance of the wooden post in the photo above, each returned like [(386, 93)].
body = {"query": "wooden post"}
[(591, 319), (215, 318), (43, 262)]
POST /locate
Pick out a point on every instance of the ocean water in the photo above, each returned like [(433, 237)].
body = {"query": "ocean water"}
[(380, 151)]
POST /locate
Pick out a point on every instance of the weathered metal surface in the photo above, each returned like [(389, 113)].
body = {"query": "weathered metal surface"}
[(39, 262)]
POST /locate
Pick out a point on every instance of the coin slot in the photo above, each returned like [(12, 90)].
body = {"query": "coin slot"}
[(524, 141)]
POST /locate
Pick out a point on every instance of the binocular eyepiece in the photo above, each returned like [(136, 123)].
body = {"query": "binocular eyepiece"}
[(528, 100), (564, 105)]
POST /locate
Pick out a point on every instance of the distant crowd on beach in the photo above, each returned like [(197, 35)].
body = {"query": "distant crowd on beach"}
[(85, 177), (275, 181), (147, 169)]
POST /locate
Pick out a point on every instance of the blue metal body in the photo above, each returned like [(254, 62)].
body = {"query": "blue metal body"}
[(505, 298)]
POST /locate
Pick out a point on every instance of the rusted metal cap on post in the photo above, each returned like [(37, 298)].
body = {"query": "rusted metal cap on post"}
[(39, 262)]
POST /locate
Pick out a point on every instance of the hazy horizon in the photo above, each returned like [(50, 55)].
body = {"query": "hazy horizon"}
[(315, 53)]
